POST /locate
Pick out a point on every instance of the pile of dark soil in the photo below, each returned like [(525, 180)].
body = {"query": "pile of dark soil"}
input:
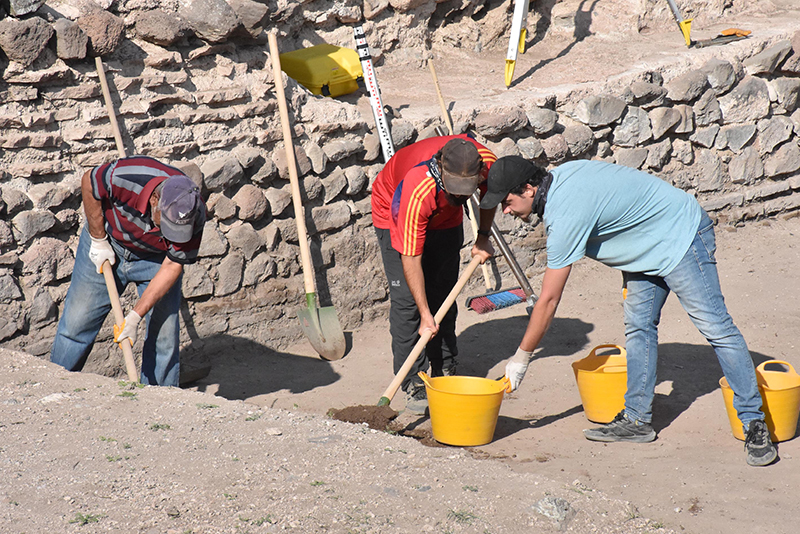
[(375, 417)]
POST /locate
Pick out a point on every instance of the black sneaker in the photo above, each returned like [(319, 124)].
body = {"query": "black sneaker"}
[(622, 429), (759, 446), (417, 399)]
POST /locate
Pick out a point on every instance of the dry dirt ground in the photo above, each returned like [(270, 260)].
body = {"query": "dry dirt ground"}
[(693, 478), (249, 449)]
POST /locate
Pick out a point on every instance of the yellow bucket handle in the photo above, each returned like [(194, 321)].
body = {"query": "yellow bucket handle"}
[(427, 380), (622, 351), (787, 366)]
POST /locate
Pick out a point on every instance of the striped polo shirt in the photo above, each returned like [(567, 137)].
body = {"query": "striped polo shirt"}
[(406, 199), (124, 188)]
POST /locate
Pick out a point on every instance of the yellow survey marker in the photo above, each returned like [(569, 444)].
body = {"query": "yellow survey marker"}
[(684, 25), (517, 39)]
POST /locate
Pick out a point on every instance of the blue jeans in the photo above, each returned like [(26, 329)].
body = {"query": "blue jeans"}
[(695, 282), (87, 305)]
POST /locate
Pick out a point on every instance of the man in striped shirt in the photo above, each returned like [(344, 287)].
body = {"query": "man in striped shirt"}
[(417, 209), (146, 219)]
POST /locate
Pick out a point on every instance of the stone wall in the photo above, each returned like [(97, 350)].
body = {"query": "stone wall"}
[(188, 91)]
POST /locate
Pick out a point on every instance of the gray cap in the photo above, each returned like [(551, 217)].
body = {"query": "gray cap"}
[(183, 212)]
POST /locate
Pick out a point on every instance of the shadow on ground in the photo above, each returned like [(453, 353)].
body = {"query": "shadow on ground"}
[(244, 368), (564, 338)]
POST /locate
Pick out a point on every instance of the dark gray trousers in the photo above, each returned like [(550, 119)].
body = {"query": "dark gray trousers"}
[(440, 263)]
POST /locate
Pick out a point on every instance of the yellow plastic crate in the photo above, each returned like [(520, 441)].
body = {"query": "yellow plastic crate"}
[(324, 69)]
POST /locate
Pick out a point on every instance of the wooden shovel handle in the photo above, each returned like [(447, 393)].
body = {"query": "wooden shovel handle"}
[(426, 336), (119, 318), (299, 212)]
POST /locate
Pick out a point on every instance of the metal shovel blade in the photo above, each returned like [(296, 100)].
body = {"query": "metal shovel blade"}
[(321, 327)]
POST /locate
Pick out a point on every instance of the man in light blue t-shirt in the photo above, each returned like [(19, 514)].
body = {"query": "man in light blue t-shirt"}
[(662, 241)]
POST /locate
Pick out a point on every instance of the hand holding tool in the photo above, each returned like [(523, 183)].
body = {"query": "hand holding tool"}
[(111, 285), (100, 251), (128, 329), (113, 296), (427, 335)]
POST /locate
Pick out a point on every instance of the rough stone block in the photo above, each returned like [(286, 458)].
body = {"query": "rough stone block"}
[(251, 202), (497, 122), (748, 101), (541, 120), (196, 282), (631, 157), (71, 42), (330, 217), (23, 40), (766, 61), (634, 128), (785, 160), (687, 86), (597, 111), (105, 31), (221, 96), (211, 20), (159, 27)]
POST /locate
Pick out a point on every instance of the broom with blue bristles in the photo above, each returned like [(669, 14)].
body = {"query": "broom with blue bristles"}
[(503, 299)]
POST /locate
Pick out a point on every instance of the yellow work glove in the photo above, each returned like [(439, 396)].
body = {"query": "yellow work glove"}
[(128, 328)]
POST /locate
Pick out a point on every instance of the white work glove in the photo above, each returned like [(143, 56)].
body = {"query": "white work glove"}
[(516, 368), (128, 328), (100, 251)]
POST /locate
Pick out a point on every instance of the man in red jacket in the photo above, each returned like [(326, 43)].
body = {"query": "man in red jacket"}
[(418, 204)]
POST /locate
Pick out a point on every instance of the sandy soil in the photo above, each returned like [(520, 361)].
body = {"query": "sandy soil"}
[(693, 478), (249, 449)]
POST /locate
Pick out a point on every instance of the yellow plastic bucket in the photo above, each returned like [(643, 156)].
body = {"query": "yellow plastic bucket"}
[(780, 395), (602, 382), (464, 409)]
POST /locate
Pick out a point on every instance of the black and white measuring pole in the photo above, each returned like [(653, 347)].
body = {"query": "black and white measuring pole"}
[(381, 124)]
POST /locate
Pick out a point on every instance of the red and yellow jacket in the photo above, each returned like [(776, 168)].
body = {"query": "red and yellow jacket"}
[(406, 199)]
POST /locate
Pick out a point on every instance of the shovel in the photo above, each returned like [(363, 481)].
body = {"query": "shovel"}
[(427, 334), (320, 325)]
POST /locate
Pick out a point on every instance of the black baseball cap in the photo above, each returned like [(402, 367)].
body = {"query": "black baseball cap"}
[(506, 174)]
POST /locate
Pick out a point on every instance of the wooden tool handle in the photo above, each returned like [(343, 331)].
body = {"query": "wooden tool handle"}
[(299, 212), (112, 116), (426, 336), (119, 318), (445, 115), (473, 219), (111, 285)]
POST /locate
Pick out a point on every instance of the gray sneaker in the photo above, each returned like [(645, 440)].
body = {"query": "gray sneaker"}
[(417, 400), (758, 445), (450, 367), (622, 429)]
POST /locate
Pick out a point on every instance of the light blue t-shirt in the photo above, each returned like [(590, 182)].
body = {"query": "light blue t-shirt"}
[(619, 216)]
